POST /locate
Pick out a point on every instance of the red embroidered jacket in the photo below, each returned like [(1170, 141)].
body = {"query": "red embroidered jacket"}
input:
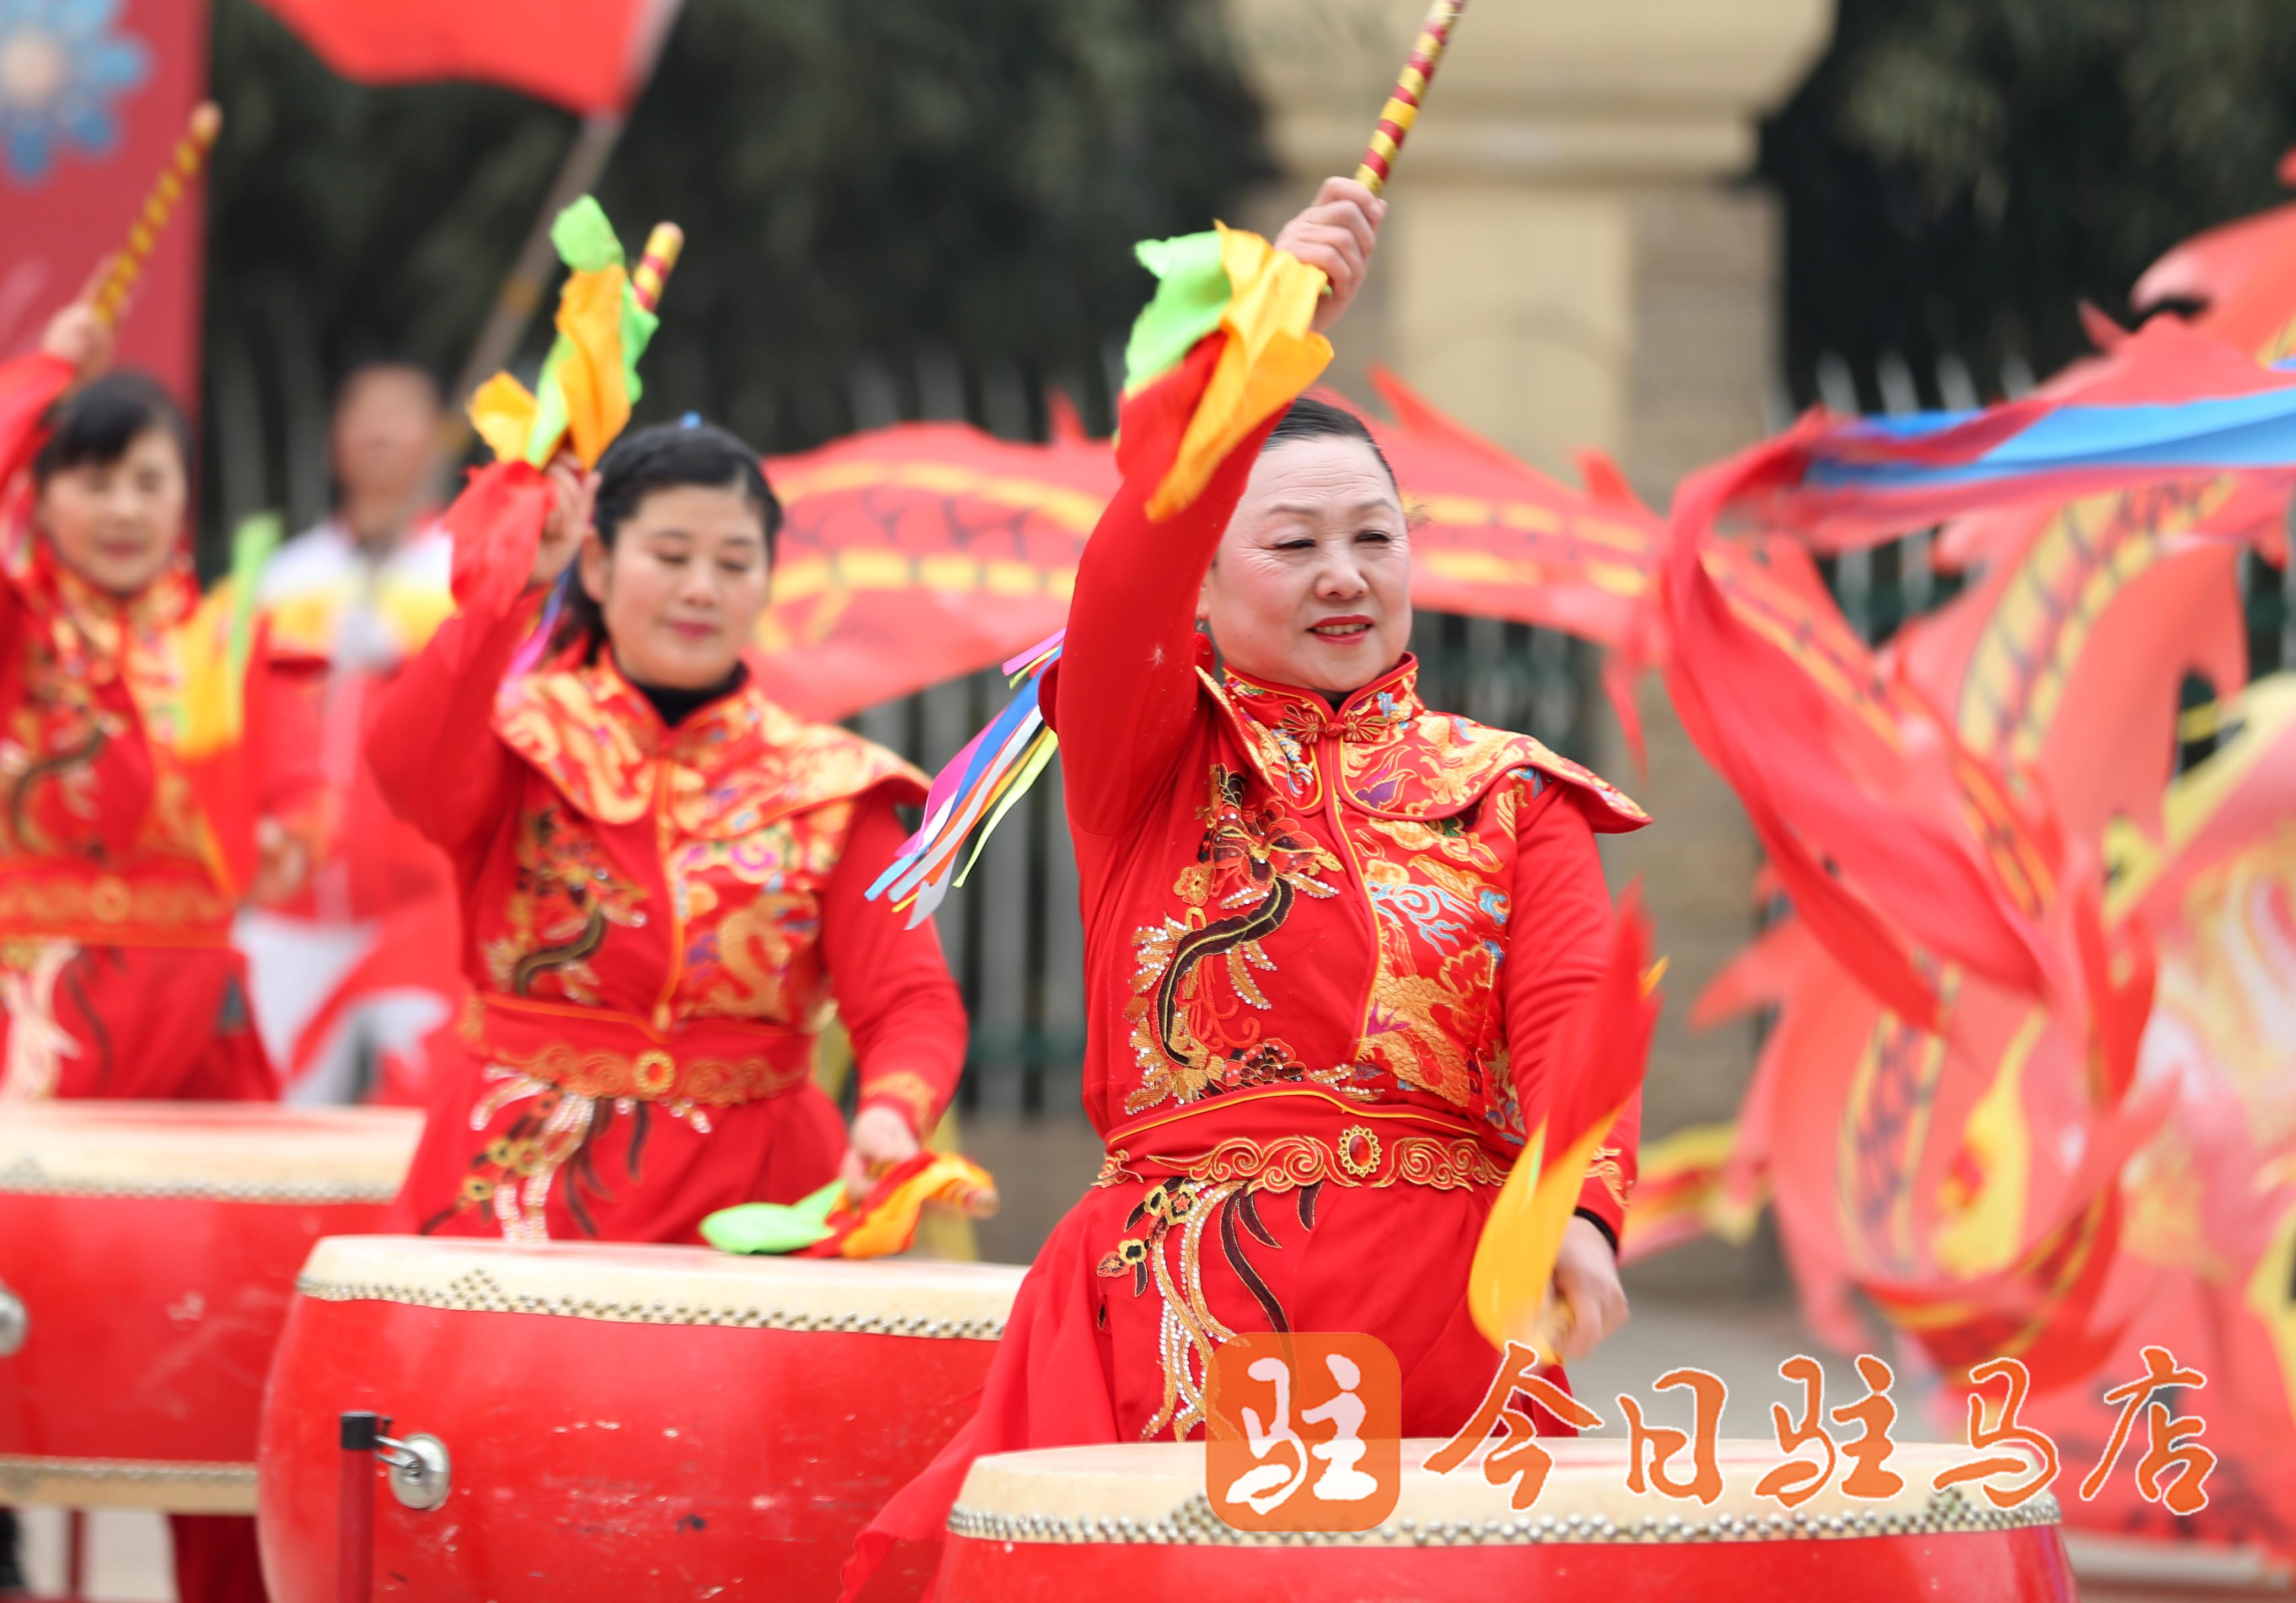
[(109, 835), (1396, 905), (699, 888)]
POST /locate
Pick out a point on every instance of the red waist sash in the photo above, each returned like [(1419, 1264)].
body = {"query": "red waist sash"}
[(1285, 1137), (600, 1053)]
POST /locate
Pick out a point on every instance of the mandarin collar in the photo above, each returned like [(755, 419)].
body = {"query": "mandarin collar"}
[(713, 732), (108, 620), (1375, 711)]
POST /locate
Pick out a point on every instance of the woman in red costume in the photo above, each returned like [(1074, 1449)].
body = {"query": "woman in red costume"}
[(118, 978), (662, 874), (1331, 936)]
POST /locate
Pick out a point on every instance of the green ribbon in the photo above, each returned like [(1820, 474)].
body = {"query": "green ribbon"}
[(772, 1227)]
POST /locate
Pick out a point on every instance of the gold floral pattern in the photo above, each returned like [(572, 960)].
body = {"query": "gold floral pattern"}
[(1360, 1156), (566, 896), (726, 772), (656, 1075), (749, 809), (1196, 996), (1396, 758), (1169, 1256), (89, 784)]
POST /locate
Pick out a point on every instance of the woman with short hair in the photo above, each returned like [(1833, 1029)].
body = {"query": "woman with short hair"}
[(1332, 937)]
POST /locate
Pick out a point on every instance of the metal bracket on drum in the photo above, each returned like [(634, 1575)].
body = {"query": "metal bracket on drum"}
[(421, 1473), (15, 1322), (421, 1470)]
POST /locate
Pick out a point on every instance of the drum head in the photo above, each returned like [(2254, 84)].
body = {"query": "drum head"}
[(666, 1285), (1155, 1492), (224, 1151)]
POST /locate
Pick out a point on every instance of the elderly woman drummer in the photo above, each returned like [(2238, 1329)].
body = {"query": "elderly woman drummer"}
[(1331, 940)]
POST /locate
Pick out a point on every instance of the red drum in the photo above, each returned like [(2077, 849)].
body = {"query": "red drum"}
[(618, 1421), (148, 1253), (1117, 1524)]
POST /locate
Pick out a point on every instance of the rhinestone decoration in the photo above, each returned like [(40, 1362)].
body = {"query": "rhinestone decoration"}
[(478, 1292), (1193, 1523)]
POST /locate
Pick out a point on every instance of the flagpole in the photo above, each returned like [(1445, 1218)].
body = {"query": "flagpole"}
[(529, 276), (168, 190), (1402, 108), (522, 288)]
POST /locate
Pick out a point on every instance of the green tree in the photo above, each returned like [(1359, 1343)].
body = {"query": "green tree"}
[(1959, 174), (856, 183)]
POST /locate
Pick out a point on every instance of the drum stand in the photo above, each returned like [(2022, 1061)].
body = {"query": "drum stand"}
[(420, 1478)]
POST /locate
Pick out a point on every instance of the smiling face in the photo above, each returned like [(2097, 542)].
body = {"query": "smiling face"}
[(1311, 587), (681, 585), (116, 523)]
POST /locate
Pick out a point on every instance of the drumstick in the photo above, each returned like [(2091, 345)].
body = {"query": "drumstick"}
[(1402, 108), (183, 164), (661, 249)]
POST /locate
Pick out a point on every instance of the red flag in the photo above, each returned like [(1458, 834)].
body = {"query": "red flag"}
[(586, 55), (91, 106)]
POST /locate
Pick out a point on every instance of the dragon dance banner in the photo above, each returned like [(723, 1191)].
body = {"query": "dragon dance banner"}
[(2069, 1159), (922, 551)]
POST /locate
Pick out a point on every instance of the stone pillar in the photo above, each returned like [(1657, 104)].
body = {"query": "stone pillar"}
[(1574, 259)]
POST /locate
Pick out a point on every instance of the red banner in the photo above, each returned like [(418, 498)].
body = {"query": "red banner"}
[(586, 55), (93, 99)]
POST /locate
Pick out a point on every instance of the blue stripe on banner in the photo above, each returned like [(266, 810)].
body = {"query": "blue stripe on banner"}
[(2221, 431)]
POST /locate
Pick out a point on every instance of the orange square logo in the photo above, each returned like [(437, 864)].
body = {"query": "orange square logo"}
[(1305, 1432)]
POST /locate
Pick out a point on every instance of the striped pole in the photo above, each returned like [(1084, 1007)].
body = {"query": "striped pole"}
[(661, 249), (1402, 108), (191, 153)]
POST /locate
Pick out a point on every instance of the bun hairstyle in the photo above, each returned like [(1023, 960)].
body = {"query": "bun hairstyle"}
[(1308, 418), (94, 425), (666, 456)]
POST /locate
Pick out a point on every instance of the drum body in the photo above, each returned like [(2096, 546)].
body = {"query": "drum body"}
[(149, 1250), (1118, 1524), (620, 1421)]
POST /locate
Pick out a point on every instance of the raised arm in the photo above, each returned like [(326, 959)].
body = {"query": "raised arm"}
[(1124, 690), (432, 743), (74, 347)]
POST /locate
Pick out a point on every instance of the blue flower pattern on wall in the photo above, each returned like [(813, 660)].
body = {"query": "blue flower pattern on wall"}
[(63, 66)]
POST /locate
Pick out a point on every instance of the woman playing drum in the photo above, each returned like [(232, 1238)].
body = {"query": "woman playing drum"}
[(662, 874), (116, 966), (1331, 936), (118, 978)]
